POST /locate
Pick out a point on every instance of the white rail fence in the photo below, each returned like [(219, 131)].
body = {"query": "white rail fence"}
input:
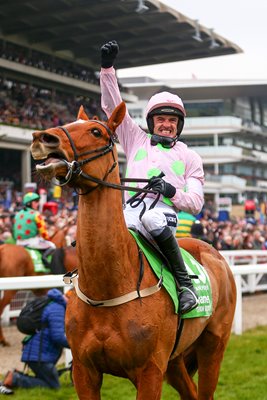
[(249, 268), (250, 271)]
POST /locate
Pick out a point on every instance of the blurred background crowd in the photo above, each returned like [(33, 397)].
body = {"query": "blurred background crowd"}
[(235, 233), (58, 214)]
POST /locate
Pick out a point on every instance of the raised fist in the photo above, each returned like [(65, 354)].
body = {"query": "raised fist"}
[(109, 53)]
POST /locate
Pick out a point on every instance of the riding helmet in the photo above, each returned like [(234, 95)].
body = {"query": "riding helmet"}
[(165, 103), (29, 197)]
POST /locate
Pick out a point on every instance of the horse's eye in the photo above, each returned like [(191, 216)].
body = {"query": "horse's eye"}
[(96, 132)]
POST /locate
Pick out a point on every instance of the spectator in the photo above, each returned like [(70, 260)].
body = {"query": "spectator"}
[(258, 240), (227, 243), (250, 207), (185, 222), (197, 232), (42, 350)]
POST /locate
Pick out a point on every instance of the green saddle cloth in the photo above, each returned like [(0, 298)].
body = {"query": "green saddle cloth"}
[(201, 284), (39, 266)]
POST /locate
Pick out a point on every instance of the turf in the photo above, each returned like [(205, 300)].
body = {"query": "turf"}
[(243, 376)]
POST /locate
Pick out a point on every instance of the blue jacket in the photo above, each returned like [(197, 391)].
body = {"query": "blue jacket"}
[(47, 344)]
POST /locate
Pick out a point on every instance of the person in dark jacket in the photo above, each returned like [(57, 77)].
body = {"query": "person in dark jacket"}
[(42, 350), (197, 232)]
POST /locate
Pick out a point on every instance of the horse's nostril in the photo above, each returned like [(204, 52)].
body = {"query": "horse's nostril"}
[(49, 139)]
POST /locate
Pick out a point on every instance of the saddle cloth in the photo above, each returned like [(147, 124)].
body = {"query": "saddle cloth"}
[(194, 268)]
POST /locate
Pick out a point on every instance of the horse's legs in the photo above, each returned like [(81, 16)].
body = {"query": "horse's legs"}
[(178, 377), (149, 383), (4, 301), (210, 352), (87, 382)]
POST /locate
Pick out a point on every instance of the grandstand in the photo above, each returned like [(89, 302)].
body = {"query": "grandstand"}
[(49, 62)]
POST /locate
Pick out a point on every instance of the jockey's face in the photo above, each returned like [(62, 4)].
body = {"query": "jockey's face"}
[(165, 125), (35, 204)]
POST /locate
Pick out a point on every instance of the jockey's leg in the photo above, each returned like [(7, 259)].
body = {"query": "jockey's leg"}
[(156, 224)]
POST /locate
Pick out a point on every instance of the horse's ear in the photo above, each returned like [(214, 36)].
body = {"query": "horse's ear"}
[(117, 116), (82, 114)]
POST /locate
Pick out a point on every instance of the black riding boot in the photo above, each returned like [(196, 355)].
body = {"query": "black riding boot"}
[(169, 247)]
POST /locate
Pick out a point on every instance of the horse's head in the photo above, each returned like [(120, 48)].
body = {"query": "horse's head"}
[(77, 151)]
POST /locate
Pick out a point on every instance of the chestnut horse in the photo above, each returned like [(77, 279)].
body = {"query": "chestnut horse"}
[(136, 339), (16, 261)]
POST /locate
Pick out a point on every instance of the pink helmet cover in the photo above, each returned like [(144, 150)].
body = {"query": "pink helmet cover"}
[(164, 99)]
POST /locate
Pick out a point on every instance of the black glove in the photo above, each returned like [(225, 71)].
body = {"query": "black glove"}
[(109, 53), (164, 188)]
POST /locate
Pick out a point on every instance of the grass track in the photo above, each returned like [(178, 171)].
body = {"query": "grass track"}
[(243, 376)]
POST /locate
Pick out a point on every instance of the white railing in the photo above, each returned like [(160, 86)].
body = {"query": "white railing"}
[(253, 273), (238, 257), (239, 271), (28, 282), (254, 280)]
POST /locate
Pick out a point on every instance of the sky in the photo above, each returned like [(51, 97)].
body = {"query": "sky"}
[(242, 22)]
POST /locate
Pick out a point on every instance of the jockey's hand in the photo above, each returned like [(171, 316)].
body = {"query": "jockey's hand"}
[(164, 188), (109, 53)]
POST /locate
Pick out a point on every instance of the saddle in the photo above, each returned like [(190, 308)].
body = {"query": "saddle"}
[(48, 260)]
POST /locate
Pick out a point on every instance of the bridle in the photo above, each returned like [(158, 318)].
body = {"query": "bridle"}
[(75, 167)]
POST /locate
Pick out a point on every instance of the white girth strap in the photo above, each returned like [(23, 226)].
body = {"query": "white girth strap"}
[(72, 278)]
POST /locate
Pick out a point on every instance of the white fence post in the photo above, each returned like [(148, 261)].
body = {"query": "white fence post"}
[(238, 318), (5, 318)]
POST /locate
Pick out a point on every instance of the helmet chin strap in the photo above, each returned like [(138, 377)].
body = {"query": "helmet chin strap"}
[(165, 141)]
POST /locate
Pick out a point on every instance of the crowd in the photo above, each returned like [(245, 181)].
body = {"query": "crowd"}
[(237, 233), (36, 107), (33, 58), (65, 217)]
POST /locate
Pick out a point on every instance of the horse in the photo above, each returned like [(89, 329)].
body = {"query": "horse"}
[(112, 328), (16, 261)]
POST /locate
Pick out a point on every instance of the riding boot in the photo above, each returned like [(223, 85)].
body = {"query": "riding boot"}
[(168, 245), (45, 256)]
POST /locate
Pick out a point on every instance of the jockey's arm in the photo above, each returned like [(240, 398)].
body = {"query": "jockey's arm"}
[(40, 223)]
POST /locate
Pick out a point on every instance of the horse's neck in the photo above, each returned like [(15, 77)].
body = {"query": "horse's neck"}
[(59, 238), (102, 240)]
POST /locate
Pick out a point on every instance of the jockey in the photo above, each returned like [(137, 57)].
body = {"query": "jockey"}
[(29, 225), (147, 156)]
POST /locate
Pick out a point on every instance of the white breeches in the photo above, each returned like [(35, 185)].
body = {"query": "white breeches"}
[(153, 221), (36, 243)]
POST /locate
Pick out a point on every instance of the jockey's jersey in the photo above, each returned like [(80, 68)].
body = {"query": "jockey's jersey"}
[(28, 224), (182, 167)]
